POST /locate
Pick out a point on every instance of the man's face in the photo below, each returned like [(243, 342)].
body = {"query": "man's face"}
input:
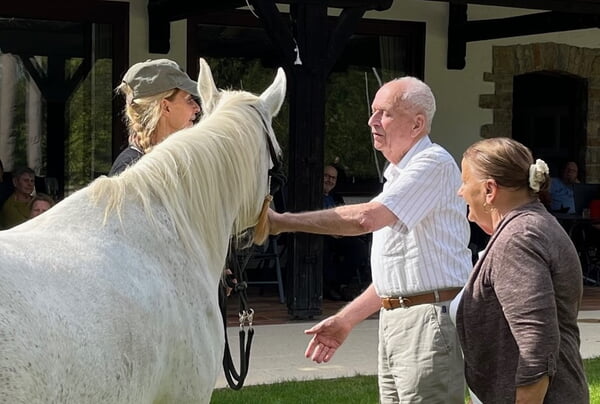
[(329, 179), (570, 173), (395, 129), (24, 184)]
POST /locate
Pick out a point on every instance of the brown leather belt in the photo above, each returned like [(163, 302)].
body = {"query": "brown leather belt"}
[(434, 296)]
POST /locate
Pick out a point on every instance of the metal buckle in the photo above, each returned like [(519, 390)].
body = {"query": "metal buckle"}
[(404, 302)]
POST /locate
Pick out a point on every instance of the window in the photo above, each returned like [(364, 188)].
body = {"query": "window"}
[(57, 75)]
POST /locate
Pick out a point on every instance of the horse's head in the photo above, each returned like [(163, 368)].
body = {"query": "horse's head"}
[(265, 107)]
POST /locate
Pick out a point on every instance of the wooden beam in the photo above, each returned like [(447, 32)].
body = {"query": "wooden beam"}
[(461, 31), (342, 32), (457, 40), (279, 33), (530, 24), (565, 6), (162, 12), (172, 10)]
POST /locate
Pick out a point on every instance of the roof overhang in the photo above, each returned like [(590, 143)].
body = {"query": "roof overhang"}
[(553, 16), (564, 6), (162, 12)]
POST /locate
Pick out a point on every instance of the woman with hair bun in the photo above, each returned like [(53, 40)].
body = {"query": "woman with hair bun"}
[(517, 315)]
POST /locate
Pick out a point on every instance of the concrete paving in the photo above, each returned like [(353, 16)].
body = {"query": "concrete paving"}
[(278, 351)]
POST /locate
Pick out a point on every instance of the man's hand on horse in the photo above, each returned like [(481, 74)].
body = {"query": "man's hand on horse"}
[(274, 220)]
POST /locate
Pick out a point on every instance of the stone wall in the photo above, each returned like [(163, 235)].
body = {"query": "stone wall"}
[(514, 60)]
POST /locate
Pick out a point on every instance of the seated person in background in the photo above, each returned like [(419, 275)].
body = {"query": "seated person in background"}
[(561, 189), (39, 204), (16, 208), (5, 188), (330, 198), (343, 257)]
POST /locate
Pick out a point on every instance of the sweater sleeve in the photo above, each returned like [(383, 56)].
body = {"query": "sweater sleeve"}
[(522, 281)]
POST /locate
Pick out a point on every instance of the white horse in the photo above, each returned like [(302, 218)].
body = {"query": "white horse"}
[(111, 295)]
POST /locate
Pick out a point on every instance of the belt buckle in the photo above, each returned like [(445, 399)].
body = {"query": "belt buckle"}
[(404, 302)]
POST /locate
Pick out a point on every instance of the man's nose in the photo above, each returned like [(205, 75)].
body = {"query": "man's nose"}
[(373, 120)]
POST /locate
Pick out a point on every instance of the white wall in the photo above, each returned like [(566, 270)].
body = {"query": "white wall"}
[(459, 118), (138, 36)]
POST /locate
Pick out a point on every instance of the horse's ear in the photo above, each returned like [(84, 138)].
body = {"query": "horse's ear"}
[(274, 95), (206, 87)]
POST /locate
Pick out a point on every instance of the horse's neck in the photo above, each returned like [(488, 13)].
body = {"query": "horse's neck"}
[(158, 230), (147, 235)]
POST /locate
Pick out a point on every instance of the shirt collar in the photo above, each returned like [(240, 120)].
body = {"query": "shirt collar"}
[(394, 169)]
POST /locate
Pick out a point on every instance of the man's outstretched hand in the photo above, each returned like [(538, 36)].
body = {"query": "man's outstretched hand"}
[(328, 335)]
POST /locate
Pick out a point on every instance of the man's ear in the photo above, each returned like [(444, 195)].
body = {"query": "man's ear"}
[(419, 124)]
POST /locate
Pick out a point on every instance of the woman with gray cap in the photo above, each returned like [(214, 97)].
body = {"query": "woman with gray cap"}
[(159, 100)]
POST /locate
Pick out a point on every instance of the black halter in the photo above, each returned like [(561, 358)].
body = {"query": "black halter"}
[(276, 175), (237, 281)]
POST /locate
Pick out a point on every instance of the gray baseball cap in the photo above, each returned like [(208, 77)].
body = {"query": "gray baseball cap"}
[(156, 76)]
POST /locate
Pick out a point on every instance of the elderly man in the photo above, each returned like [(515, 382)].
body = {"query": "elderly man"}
[(419, 256)]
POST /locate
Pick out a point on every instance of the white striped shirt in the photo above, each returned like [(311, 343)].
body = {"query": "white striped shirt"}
[(427, 248)]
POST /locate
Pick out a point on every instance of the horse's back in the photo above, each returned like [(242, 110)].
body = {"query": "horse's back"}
[(87, 315)]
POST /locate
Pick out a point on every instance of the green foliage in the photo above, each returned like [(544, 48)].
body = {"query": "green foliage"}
[(250, 75), (347, 110), (88, 117), (89, 112), (19, 119)]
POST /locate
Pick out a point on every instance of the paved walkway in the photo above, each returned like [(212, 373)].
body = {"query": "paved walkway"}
[(278, 351)]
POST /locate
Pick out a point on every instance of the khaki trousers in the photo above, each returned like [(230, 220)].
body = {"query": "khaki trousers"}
[(420, 360)]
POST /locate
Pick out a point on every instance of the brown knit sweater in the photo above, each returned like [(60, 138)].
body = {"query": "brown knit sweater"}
[(517, 320)]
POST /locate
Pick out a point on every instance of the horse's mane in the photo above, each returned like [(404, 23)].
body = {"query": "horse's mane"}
[(202, 176)]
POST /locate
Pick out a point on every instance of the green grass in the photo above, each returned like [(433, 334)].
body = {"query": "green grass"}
[(592, 370), (356, 390)]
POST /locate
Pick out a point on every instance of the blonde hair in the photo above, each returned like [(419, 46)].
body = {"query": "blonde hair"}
[(506, 161), (142, 115)]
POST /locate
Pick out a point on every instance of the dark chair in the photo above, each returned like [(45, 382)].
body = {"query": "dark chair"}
[(587, 242), (264, 260)]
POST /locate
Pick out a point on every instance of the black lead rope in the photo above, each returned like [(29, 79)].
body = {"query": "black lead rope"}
[(237, 282), (237, 264)]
